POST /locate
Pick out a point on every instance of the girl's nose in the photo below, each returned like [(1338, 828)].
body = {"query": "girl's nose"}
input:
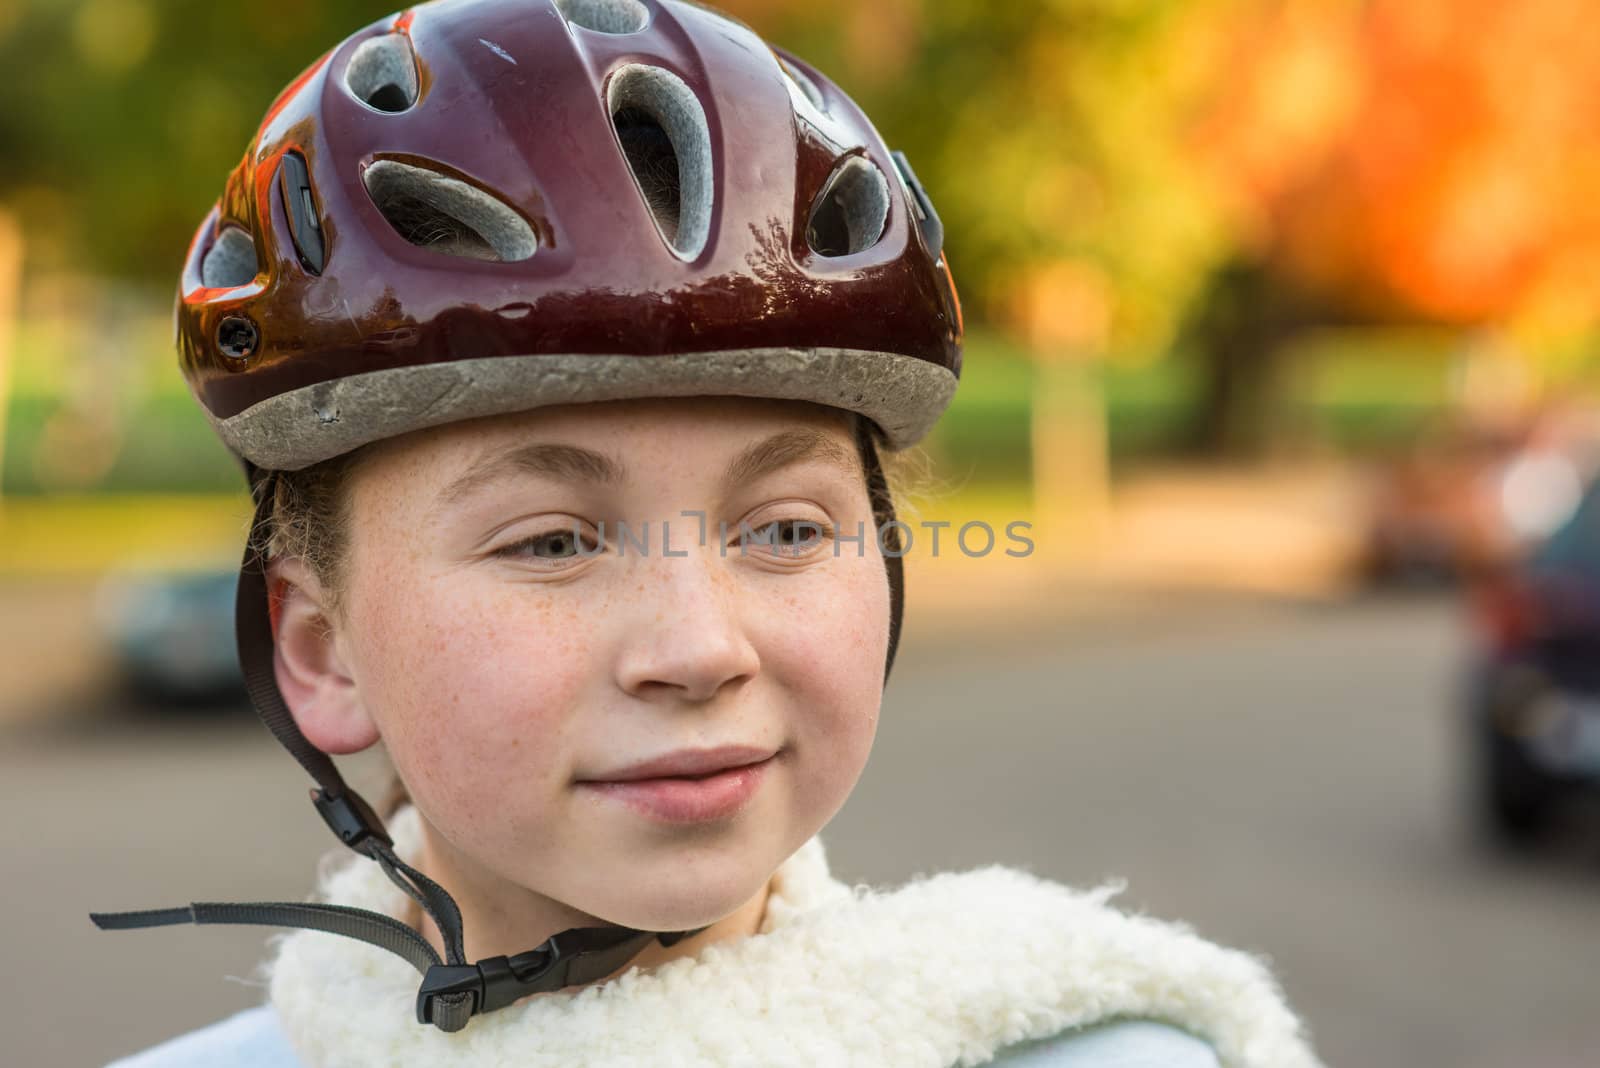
[(685, 635)]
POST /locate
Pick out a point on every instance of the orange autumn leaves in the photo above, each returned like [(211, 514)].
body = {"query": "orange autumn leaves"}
[(1435, 159)]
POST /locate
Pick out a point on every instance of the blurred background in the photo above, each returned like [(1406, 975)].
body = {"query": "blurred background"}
[(1282, 322)]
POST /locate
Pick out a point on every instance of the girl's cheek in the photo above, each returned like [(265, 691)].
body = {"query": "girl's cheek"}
[(834, 658), (466, 683)]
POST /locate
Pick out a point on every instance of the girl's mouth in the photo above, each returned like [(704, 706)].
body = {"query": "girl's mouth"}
[(687, 798)]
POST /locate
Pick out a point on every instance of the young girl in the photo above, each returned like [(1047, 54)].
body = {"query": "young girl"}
[(559, 341)]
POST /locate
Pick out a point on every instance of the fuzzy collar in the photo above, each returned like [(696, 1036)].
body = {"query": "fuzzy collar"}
[(946, 970)]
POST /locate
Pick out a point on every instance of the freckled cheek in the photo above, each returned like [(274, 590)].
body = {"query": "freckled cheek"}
[(476, 692), (826, 646)]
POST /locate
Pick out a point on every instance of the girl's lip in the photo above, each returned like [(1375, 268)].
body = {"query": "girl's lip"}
[(676, 799), (684, 763)]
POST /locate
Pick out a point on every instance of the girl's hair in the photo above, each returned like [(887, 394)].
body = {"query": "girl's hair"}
[(310, 521)]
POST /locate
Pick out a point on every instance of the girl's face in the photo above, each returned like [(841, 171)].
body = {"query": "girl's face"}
[(513, 669)]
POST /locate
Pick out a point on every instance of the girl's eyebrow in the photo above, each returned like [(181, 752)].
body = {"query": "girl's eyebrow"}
[(575, 463), (789, 447), (572, 463)]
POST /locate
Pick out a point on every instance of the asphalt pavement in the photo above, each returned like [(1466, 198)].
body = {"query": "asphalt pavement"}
[(1283, 777)]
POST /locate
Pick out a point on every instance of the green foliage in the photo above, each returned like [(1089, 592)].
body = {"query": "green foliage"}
[(86, 415), (169, 448), (1370, 389), (1044, 132), (122, 117), (985, 436)]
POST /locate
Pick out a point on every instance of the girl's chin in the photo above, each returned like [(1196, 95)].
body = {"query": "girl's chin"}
[(680, 904), (676, 890)]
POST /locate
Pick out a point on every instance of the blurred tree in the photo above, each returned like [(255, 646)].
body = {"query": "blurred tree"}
[(1053, 140), (1047, 131), (122, 117), (1462, 187), (1396, 158), (10, 282), (1239, 328), (1445, 173)]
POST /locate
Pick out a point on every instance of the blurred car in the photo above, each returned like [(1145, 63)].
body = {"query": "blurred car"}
[(171, 634), (1432, 518), (1467, 501), (1535, 686)]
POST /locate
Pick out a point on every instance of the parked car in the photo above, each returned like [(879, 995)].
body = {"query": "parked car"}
[(171, 635), (1535, 704), (1433, 517), (1469, 500)]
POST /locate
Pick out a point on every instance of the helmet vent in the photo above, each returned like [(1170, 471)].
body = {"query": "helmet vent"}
[(383, 74), (605, 16), (667, 144), (445, 214), (655, 165), (850, 213), (230, 261)]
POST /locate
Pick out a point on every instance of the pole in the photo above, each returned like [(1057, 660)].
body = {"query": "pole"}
[(10, 287)]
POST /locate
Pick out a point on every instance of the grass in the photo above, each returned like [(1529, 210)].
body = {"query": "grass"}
[(79, 534)]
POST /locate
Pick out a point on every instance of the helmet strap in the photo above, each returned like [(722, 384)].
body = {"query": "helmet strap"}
[(887, 531)]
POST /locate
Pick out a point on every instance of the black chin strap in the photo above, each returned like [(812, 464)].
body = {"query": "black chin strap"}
[(452, 991), (883, 518)]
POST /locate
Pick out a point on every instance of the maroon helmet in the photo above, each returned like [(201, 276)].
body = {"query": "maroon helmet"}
[(485, 206)]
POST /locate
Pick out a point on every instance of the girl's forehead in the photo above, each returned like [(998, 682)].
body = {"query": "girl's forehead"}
[(650, 432)]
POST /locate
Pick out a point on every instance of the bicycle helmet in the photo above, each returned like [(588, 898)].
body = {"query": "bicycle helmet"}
[(482, 206)]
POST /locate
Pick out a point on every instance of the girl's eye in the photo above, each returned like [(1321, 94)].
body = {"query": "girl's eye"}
[(788, 537), (552, 546)]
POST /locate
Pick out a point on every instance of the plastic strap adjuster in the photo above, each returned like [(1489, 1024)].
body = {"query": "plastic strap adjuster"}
[(494, 982), (443, 980), (350, 817)]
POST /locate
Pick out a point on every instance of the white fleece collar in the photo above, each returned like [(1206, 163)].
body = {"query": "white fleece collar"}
[(946, 970)]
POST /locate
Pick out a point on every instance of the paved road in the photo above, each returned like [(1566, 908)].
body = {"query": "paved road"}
[(1281, 777)]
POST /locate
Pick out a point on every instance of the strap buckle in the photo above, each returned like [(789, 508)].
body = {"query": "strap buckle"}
[(350, 817), (495, 982), (580, 955), (443, 980)]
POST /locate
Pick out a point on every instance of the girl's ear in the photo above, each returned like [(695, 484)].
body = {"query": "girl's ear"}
[(310, 664)]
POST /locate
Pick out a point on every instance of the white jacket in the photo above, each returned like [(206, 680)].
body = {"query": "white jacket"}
[(992, 965)]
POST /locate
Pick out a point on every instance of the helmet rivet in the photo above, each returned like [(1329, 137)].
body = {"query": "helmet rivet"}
[(237, 337)]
